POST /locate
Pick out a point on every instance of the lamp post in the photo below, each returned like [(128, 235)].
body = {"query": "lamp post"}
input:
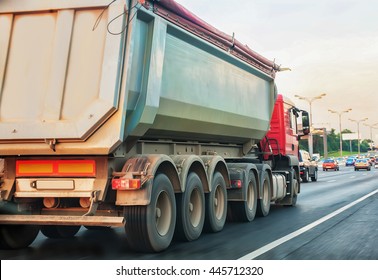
[(358, 132), (309, 100), (340, 113), (371, 132)]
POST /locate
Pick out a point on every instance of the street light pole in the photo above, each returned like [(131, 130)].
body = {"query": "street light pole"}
[(371, 132), (310, 100), (358, 132), (340, 113)]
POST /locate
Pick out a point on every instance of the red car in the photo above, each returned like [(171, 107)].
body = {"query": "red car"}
[(330, 164)]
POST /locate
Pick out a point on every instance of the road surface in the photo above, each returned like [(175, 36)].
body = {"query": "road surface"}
[(336, 218)]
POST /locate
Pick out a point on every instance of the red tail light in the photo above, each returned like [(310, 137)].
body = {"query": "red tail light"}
[(122, 184), (236, 184)]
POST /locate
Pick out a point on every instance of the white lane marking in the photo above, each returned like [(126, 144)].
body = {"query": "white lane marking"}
[(290, 236)]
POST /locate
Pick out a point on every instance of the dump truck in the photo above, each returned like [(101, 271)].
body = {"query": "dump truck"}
[(134, 114)]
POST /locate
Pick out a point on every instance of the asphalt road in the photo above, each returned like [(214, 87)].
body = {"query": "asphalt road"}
[(310, 231)]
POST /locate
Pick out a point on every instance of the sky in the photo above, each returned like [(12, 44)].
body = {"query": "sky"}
[(331, 47)]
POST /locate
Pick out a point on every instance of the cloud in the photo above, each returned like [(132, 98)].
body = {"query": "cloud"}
[(330, 45)]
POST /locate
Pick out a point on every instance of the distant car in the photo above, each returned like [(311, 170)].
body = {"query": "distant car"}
[(350, 161), (307, 167), (340, 161), (362, 163), (330, 164)]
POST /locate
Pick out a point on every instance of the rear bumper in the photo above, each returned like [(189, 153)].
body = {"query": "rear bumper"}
[(62, 220)]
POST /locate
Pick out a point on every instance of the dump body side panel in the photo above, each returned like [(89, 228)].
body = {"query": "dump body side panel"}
[(61, 75), (84, 90), (203, 93)]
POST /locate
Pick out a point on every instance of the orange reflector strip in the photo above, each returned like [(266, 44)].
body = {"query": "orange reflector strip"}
[(56, 168), (25, 168), (74, 167)]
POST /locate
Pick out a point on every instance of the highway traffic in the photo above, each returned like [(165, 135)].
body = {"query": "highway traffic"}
[(335, 218)]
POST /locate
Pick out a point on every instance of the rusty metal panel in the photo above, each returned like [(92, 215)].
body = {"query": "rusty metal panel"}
[(62, 220), (59, 69), (175, 84), (5, 31), (12, 6)]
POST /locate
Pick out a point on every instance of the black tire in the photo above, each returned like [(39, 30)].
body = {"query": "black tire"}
[(191, 209), (17, 236), (216, 204), (263, 205), (60, 231), (245, 211), (314, 178), (295, 186), (150, 228), (305, 177)]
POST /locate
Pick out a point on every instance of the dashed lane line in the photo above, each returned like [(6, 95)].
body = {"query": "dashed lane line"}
[(304, 229)]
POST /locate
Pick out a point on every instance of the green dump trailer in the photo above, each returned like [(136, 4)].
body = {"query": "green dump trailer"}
[(130, 113)]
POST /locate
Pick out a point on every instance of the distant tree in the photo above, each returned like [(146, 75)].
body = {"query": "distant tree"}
[(318, 146), (333, 141), (303, 144), (365, 146)]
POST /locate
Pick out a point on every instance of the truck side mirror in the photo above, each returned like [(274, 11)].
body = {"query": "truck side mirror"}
[(303, 123)]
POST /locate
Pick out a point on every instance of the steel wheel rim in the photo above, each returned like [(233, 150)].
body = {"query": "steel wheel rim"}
[(195, 208), (163, 213), (218, 202), (250, 196)]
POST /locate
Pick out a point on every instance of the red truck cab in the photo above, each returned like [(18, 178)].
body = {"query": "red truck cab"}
[(288, 124)]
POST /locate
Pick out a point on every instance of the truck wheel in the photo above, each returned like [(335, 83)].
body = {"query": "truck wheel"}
[(305, 177), (314, 178), (191, 209), (263, 204), (150, 228), (245, 211), (295, 190), (216, 204), (17, 236), (60, 231)]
